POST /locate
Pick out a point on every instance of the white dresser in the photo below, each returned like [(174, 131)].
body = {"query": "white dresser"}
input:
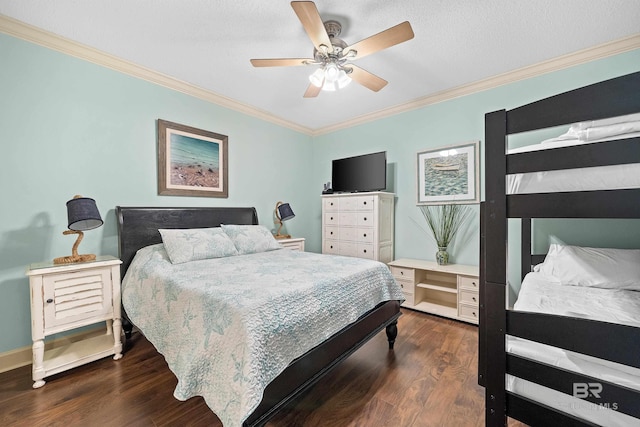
[(358, 225)]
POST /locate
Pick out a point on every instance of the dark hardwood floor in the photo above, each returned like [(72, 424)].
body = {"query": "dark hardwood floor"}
[(430, 379)]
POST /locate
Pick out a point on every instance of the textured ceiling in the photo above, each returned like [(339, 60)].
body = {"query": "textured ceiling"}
[(208, 44)]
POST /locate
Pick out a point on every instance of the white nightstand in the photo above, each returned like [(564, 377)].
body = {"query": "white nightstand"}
[(294, 243), (68, 296)]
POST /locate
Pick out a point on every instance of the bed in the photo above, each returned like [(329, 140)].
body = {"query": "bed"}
[(167, 311), (555, 359)]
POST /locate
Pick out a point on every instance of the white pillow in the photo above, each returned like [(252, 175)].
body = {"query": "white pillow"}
[(251, 239), (593, 267), (192, 244)]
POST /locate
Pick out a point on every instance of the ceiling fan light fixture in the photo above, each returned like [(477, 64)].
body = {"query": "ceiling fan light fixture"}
[(317, 78), (343, 79)]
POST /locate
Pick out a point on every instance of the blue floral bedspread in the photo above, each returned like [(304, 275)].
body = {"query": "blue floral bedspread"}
[(229, 326)]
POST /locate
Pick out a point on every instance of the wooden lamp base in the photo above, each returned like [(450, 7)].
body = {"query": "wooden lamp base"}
[(74, 257)]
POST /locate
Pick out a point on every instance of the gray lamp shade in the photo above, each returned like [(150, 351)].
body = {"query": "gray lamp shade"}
[(83, 214), (285, 212)]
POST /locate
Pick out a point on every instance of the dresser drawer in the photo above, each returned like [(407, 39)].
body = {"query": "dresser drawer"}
[(467, 282), (331, 247), (348, 219), (401, 273), (365, 251), (331, 204), (331, 232), (364, 219), (469, 312), (364, 203), (332, 218), (468, 297)]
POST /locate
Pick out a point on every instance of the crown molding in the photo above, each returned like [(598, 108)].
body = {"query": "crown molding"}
[(38, 36), (566, 61), (49, 40)]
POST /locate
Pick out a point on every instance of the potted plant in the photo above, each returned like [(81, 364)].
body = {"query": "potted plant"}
[(445, 221)]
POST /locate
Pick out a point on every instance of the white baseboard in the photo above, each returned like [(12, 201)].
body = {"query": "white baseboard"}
[(19, 357)]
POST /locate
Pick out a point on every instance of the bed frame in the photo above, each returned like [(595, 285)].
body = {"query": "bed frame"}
[(618, 343), (138, 227)]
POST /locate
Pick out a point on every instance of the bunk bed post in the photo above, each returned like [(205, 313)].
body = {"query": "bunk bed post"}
[(494, 286), (525, 247), (482, 347)]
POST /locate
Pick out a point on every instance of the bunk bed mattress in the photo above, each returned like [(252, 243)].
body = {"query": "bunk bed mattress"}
[(582, 179), (228, 326), (539, 293)]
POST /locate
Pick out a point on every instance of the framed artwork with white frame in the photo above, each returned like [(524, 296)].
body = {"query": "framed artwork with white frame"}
[(449, 175)]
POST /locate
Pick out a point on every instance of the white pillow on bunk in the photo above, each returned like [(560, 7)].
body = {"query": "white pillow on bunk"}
[(593, 267)]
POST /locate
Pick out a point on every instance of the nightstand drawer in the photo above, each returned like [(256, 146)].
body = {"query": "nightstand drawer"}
[(467, 282), (403, 273)]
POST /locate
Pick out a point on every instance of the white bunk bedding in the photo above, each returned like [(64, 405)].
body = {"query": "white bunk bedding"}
[(542, 293), (582, 179)]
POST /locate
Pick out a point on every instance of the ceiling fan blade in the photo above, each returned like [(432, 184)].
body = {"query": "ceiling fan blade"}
[(281, 62), (312, 23), (366, 79), (312, 91), (387, 38)]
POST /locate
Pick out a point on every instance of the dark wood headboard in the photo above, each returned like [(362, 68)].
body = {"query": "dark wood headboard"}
[(138, 226)]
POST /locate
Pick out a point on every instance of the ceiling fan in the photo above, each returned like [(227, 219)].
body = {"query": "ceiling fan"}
[(333, 55)]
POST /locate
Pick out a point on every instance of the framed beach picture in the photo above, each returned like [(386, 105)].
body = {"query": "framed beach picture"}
[(449, 175), (191, 162)]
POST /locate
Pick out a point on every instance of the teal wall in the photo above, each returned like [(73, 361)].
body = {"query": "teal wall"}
[(458, 121), (70, 127)]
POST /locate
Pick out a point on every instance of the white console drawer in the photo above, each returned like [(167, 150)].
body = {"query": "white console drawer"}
[(401, 273), (469, 312), (466, 282), (469, 297)]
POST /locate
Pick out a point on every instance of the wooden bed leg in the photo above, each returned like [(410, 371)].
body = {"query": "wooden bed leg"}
[(127, 326), (392, 333)]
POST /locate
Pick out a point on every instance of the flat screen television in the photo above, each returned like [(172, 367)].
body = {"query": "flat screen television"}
[(367, 172)]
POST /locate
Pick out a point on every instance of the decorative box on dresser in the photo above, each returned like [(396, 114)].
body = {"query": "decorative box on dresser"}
[(358, 225), (446, 290), (293, 243), (68, 296)]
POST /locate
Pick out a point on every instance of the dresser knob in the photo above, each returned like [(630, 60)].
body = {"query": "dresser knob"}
[(49, 301), (365, 218), (402, 273), (364, 235), (474, 299)]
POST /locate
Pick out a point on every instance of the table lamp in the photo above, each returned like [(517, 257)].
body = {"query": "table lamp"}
[(283, 213), (83, 215)]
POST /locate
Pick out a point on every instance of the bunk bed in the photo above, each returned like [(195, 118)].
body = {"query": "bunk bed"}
[(599, 339)]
